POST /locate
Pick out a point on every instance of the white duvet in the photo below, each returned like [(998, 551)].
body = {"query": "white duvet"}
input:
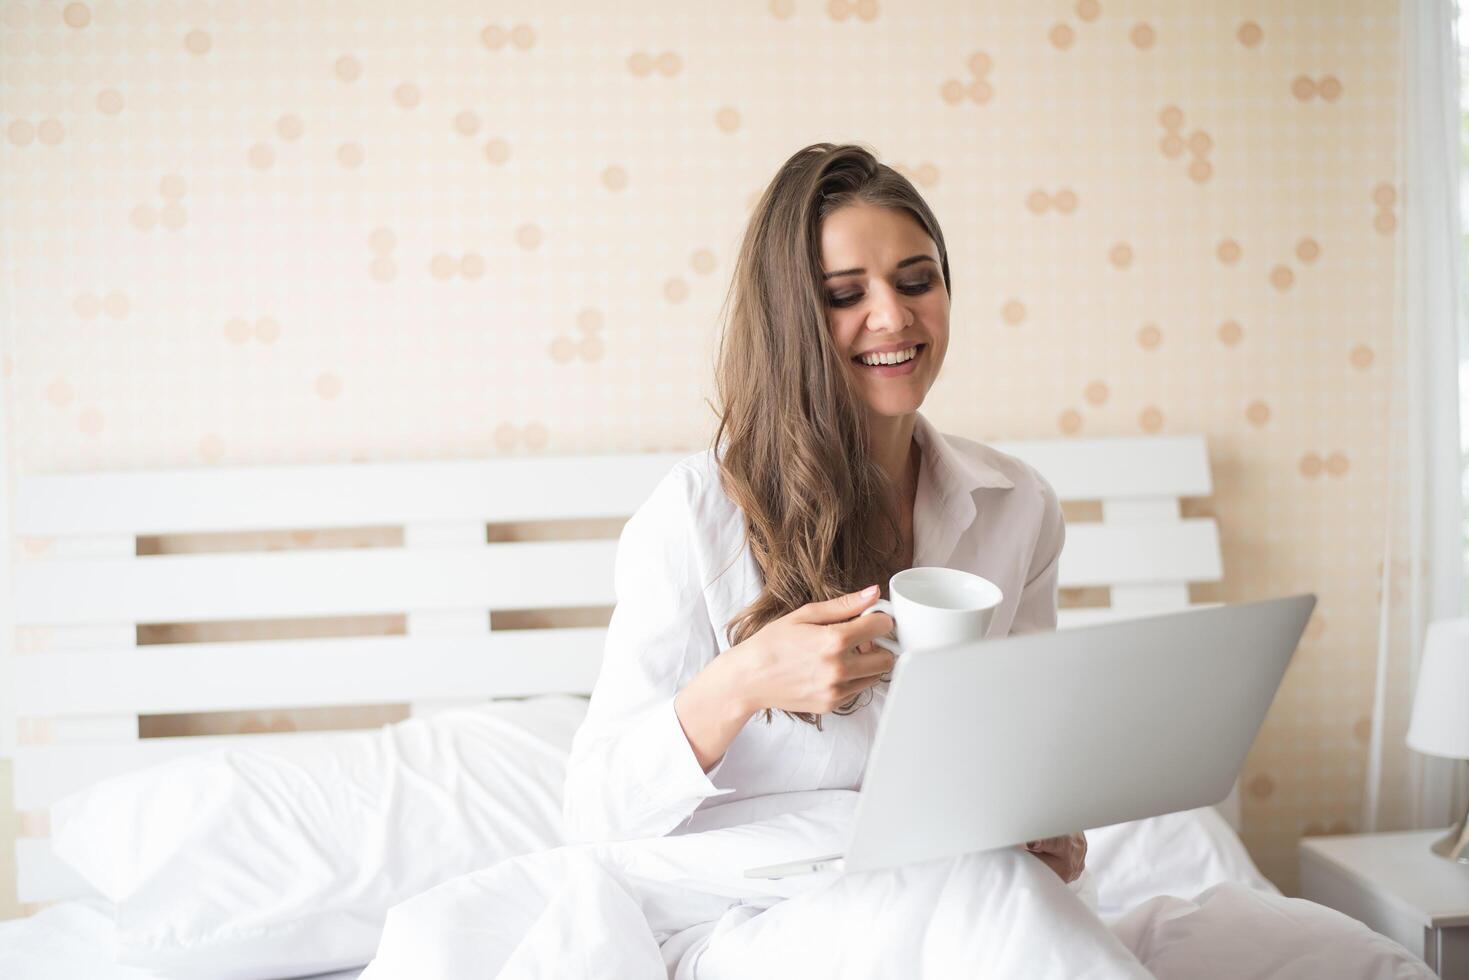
[(1172, 896), (680, 907)]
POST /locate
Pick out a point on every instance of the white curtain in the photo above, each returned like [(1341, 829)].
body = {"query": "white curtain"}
[(7, 575), (1422, 568)]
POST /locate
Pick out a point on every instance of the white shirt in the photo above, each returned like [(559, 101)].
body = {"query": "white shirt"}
[(683, 570)]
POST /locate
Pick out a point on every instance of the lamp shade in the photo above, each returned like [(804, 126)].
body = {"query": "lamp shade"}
[(1440, 724)]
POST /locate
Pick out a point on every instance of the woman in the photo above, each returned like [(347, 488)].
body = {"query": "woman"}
[(739, 690), (828, 481)]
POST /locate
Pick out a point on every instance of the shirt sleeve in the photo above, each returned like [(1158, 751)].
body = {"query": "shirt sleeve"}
[(1036, 611), (632, 772)]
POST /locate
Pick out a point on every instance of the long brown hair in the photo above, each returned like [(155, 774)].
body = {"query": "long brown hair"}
[(820, 513)]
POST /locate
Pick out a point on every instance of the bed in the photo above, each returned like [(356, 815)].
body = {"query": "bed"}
[(82, 681)]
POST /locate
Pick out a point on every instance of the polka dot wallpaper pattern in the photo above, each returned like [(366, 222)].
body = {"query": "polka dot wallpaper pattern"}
[(274, 231)]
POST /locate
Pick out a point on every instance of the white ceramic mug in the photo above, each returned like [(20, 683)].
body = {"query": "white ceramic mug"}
[(937, 607)]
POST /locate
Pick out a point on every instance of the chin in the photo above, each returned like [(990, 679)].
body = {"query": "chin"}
[(892, 407)]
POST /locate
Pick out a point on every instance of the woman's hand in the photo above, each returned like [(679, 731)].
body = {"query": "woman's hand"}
[(814, 658), (1064, 855)]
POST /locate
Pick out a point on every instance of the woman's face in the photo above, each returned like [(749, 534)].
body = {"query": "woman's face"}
[(885, 295)]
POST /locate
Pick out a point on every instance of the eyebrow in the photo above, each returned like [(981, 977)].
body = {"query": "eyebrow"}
[(906, 262)]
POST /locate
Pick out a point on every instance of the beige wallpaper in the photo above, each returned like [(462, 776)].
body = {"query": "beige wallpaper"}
[(276, 231)]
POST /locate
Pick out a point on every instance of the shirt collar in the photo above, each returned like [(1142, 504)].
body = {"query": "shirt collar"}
[(944, 507), (954, 471)]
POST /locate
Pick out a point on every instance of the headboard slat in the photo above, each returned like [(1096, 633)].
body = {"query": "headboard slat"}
[(1141, 554), (263, 498), (328, 672), (1119, 467), (513, 575), (1091, 615), (1143, 599), (332, 671), (181, 501), (324, 582)]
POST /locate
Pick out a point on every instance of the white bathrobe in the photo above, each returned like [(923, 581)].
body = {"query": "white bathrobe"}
[(684, 570)]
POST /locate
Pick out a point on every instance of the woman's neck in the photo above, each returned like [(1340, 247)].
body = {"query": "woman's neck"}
[(894, 449)]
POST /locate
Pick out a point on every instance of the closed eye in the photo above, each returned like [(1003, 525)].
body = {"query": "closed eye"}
[(911, 288)]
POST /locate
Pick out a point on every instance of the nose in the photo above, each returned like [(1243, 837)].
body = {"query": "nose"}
[(887, 310)]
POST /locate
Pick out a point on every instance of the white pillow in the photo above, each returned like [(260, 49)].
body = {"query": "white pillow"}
[(283, 860), (1178, 854)]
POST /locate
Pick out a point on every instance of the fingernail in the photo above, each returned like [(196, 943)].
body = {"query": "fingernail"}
[(869, 592)]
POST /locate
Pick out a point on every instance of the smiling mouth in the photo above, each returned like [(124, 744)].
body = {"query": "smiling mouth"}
[(918, 352)]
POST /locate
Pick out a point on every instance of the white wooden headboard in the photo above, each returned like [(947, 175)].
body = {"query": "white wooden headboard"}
[(79, 699)]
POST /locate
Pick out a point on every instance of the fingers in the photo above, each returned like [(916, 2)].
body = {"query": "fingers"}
[(846, 689), (858, 631), (1065, 855), (840, 609), (870, 664)]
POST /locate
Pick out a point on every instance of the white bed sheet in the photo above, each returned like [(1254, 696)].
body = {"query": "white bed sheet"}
[(1185, 854), (681, 907), (72, 940)]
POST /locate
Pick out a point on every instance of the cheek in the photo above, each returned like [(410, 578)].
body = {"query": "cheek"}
[(936, 317), (844, 330), (936, 310)]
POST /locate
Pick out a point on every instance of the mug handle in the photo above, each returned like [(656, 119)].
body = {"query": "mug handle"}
[(882, 605)]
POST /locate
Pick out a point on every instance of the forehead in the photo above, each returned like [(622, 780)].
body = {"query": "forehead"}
[(860, 235)]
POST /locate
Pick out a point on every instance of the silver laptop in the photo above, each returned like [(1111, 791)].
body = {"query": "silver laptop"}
[(991, 743)]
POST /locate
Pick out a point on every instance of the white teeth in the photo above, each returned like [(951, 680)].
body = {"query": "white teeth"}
[(893, 357)]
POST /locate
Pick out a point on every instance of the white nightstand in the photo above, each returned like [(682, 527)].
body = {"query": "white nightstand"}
[(1395, 885)]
